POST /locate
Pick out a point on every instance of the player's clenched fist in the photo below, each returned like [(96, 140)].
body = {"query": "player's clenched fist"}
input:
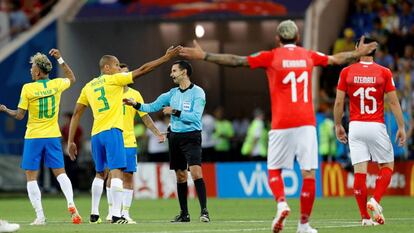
[(55, 53)]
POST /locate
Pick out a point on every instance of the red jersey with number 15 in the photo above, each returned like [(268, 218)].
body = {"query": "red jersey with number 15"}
[(289, 72), (366, 83)]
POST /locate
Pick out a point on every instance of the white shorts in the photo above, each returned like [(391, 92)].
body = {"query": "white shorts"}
[(285, 144), (369, 141)]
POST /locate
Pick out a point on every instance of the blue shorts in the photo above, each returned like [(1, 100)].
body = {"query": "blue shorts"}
[(108, 150), (50, 149), (131, 158)]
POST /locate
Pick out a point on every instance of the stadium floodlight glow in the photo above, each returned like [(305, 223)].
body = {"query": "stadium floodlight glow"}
[(199, 31)]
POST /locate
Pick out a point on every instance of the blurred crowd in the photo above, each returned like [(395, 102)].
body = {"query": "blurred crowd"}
[(17, 16), (224, 138), (391, 23)]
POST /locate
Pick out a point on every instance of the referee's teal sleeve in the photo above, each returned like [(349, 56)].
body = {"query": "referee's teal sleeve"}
[(162, 101)]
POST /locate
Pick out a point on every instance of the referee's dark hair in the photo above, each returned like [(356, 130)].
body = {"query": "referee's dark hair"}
[(185, 65)]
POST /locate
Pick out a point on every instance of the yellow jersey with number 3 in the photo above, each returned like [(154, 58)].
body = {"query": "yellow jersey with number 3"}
[(104, 95), (129, 115), (42, 99)]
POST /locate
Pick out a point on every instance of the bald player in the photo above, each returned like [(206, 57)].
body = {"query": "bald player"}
[(104, 95)]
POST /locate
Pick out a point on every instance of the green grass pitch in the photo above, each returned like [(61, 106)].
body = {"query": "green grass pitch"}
[(227, 215)]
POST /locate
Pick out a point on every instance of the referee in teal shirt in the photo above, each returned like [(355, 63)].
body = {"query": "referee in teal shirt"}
[(185, 104)]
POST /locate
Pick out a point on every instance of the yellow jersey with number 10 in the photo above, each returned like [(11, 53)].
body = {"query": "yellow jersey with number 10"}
[(42, 99), (129, 115), (104, 95)]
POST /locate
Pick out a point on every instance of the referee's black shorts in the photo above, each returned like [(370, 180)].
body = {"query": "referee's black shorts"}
[(185, 149)]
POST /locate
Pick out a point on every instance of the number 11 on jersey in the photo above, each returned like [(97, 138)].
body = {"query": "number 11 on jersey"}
[(291, 77)]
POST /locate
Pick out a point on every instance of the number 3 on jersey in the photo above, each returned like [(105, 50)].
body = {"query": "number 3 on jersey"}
[(363, 95), (103, 99), (291, 77)]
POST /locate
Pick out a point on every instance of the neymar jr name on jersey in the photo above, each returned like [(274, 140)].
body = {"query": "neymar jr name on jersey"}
[(47, 92)]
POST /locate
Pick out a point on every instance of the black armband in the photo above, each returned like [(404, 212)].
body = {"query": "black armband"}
[(176, 113), (137, 106)]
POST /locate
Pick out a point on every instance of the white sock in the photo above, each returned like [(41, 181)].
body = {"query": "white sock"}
[(109, 198), (116, 191), (66, 187), (126, 201), (35, 198), (97, 189)]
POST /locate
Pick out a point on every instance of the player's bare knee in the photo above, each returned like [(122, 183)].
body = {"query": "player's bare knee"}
[(128, 180), (31, 175), (101, 175), (388, 165), (197, 174), (307, 174), (58, 171), (181, 176)]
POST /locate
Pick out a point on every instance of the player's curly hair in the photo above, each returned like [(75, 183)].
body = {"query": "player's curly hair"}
[(42, 62)]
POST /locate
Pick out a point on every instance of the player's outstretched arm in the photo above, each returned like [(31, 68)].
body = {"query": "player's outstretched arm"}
[(66, 69), (338, 113), (72, 150), (348, 57), (149, 123), (16, 114), (157, 105), (150, 66), (394, 103), (197, 53)]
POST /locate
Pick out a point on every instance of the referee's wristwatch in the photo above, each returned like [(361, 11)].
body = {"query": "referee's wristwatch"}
[(176, 112), (137, 105)]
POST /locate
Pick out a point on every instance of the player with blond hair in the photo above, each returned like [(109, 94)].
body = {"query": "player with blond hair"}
[(41, 99)]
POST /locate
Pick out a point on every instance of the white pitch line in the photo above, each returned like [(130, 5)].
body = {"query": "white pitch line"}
[(315, 221), (248, 229)]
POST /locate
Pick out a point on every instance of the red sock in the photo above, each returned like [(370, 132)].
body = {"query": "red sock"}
[(307, 197), (360, 193), (276, 184), (383, 180)]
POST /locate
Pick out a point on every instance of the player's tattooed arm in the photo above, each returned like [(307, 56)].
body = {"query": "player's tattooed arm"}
[(226, 59), (351, 56), (16, 114), (197, 53), (343, 58)]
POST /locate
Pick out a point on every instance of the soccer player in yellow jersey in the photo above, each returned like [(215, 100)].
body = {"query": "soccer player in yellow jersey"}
[(41, 98), (130, 144), (104, 95)]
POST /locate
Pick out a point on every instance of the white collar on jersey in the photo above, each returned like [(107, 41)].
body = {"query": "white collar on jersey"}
[(289, 46), (366, 62)]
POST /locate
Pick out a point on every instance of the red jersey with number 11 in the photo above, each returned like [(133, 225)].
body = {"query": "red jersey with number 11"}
[(289, 72), (366, 83)]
